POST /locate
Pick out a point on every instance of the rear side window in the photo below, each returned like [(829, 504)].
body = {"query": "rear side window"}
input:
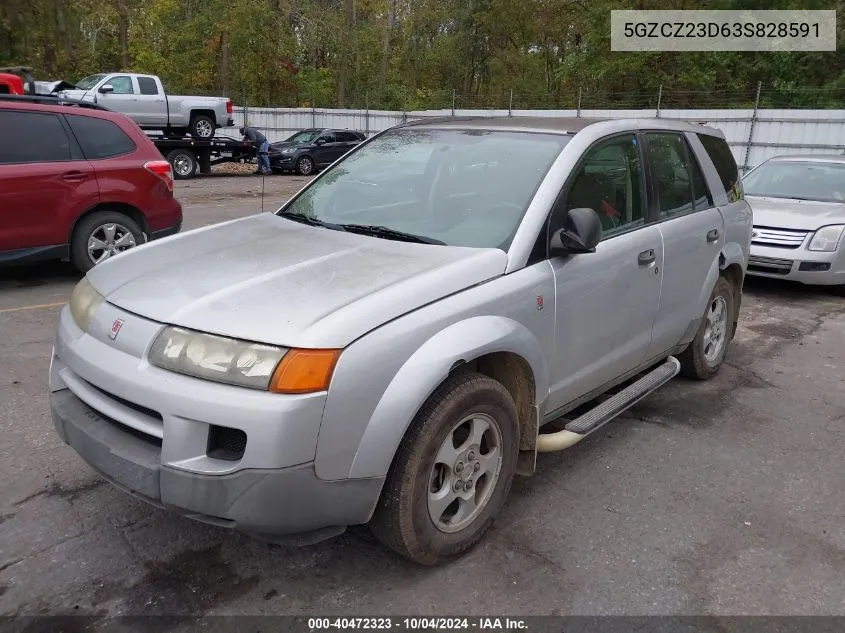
[(677, 177), (347, 137), (723, 160), (32, 137), (99, 138), (147, 86)]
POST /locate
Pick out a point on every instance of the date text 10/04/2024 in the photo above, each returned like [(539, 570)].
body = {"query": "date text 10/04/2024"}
[(418, 624)]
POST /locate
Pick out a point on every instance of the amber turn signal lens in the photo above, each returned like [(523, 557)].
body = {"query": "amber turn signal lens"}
[(304, 371)]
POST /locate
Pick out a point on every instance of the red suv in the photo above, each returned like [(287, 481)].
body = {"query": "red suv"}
[(78, 181)]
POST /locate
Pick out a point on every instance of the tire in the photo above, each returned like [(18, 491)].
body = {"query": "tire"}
[(184, 164), (305, 166), (404, 520), (202, 127), (97, 225), (699, 360)]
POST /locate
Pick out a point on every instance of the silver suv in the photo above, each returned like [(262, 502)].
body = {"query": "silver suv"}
[(387, 346)]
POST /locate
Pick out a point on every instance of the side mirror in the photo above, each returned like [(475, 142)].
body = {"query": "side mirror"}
[(581, 233), (106, 88)]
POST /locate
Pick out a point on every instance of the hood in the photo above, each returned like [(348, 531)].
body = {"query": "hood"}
[(803, 215), (272, 280), (281, 145)]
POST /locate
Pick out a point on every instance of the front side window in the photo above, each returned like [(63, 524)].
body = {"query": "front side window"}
[(303, 138), (32, 137), (457, 187), (122, 85), (801, 180), (609, 181)]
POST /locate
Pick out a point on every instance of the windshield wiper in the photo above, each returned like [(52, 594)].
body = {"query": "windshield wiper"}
[(304, 219), (393, 234)]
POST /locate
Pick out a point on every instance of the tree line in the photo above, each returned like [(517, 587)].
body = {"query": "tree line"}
[(408, 54)]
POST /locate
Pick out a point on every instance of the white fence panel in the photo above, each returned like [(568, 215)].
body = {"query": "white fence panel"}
[(753, 137)]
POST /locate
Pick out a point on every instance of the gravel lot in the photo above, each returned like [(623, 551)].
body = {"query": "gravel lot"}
[(716, 498)]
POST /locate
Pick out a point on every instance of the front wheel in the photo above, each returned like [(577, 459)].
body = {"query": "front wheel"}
[(452, 472), (704, 356), (202, 127), (305, 166)]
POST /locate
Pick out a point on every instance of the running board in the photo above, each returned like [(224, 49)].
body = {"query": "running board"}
[(594, 419)]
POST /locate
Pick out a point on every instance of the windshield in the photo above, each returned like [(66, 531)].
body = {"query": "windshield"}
[(306, 136), (89, 82), (458, 187), (801, 180)]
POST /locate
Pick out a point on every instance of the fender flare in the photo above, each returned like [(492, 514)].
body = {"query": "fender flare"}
[(426, 369)]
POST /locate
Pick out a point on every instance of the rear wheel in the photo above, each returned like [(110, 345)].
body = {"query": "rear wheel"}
[(184, 164), (202, 127), (704, 356), (102, 235), (452, 472), (305, 166)]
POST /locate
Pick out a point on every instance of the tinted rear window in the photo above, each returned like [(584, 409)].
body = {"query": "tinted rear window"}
[(147, 85), (99, 138), (32, 137), (723, 159)]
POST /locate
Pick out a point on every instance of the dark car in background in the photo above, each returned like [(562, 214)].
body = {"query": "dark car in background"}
[(78, 182), (308, 150)]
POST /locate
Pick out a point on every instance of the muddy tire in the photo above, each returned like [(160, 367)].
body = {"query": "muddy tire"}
[(101, 235), (703, 357), (452, 472)]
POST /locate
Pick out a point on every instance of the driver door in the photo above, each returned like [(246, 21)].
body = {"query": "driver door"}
[(605, 301), (123, 98), (327, 149)]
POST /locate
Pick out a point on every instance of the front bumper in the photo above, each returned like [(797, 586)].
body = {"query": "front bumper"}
[(281, 161), (798, 264), (148, 432)]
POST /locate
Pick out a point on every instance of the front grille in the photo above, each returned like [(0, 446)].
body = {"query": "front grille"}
[(769, 265), (145, 437), (131, 405), (779, 238)]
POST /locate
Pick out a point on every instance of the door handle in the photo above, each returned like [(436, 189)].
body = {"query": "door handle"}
[(712, 235), (159, 100), (74, 176), (646, 257)]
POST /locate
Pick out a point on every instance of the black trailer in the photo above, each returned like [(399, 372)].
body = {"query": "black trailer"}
[(190, 157)]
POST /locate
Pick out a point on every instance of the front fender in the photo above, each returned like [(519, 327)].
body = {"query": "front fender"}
[(429, 366), (732, 253)]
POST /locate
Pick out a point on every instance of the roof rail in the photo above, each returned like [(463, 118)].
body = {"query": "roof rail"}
[(50, 100)]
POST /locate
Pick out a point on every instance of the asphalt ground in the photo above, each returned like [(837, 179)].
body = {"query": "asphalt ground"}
[(718, 498)]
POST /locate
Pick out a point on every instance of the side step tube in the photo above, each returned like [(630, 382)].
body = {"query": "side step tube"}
[(594, 419)]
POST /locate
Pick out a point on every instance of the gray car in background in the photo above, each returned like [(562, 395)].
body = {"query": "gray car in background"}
[(799, 219), (387, 348)]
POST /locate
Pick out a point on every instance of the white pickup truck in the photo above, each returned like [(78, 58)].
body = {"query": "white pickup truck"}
[(143, 99)]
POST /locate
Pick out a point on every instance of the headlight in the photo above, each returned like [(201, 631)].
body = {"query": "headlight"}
[(241, 363), (288, 150), (84, 301), (826, 238)]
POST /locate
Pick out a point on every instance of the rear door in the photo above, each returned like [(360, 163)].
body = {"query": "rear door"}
[(693, 235), (347, 141), (46, 183), (151, 109)]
